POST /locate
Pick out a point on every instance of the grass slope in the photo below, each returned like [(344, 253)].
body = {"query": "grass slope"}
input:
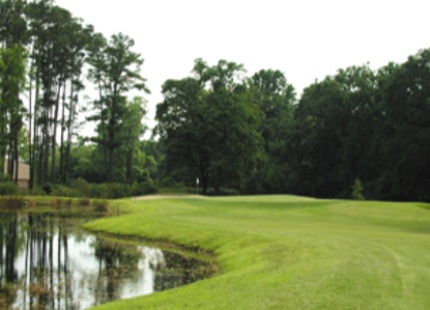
[(286, 252)]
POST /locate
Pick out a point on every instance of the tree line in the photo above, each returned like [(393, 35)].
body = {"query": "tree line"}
[(361, 131), (47, 57)]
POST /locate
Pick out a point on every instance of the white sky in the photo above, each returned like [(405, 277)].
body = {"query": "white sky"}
[(305, 39)]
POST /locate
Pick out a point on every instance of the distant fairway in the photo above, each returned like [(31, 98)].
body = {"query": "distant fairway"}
[(286, 252)]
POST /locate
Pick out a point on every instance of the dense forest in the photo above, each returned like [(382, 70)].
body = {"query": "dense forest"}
[(359, 133)]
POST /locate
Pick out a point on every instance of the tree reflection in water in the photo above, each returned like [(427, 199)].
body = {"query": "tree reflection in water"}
[(47, 262)]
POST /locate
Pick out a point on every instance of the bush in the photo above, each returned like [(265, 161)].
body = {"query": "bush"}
[(144, 188), (8, 188), (106, 191), (167, 182), (47, 188), (82, 186), (96, 191), (117, 190), (357, 190), (38, 191), (4, 178), (64, 191), (223, 191)]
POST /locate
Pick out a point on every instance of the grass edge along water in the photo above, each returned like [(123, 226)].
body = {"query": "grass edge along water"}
[(287, 252)]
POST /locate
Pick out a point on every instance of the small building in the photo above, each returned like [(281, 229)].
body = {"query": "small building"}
[(23, 174)]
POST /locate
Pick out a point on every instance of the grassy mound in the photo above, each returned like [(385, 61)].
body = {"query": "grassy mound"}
[(286, 252)]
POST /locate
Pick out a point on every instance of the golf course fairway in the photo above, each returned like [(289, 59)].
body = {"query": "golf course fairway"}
[(287, 252)]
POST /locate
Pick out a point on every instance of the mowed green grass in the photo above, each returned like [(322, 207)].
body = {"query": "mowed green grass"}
[(286, 252)]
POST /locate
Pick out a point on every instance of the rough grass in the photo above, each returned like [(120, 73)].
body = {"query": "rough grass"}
[(286, 252)]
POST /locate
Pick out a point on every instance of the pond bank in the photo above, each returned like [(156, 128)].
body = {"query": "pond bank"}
[(287, 252), (48, 255)]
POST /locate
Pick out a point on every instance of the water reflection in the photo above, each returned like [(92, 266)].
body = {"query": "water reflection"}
[(54, 265)]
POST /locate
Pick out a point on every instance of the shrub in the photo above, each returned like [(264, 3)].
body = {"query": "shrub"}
[(357, 190), (96, 191), (117, 190), (167, 182), (223, 191), (47, 188), (8, 188), (82, 186), (38, 191), (144, 188), (64, 191), (4, 178), (107, 191)]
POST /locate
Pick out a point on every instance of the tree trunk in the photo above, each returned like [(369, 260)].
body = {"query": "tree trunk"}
[(45, 159), (16, 159), (69, 132), (109, 172), (3, 139), (33, 165), (54, 135), (30, 128), (63, 128), (130, 175), (204, 179)]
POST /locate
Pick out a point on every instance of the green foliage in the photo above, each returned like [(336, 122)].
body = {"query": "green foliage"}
[(4, 178), (82, 186), (116, 190), (58, 51), (64, 191), (144, 188), (7, 294), (245, 134), (97, 191), (170, 182), (38, 191), (47, 188), (357, 190), (209, 127), (86, 163), (276, 99), (361, 122), (12, 82), (115, 69), (105, 190), (223, 192), (8, 188)]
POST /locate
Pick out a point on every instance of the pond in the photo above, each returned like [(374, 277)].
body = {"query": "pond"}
[(48, 262)]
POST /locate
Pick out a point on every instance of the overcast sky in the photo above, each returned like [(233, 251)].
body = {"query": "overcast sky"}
[(305, 39)]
